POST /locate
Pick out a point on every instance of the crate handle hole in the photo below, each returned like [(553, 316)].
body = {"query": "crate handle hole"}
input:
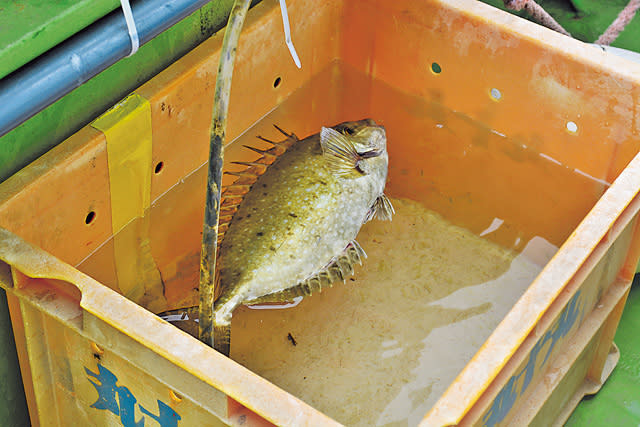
[(97, 349), (436, 68), (277, 82), (495, 94), (91, 216), (159, 167), (176, 397), (572, 127)]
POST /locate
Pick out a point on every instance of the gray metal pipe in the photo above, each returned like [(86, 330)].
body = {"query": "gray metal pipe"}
[(41, 82)]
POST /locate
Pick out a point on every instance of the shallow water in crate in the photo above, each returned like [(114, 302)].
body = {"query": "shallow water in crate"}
[(384, 346), (479, 213)]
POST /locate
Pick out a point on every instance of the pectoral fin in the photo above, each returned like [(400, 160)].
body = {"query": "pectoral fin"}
[(339, 152), (382, 209)]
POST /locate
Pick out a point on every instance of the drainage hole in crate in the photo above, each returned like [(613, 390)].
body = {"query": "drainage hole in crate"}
[(495, 94), (159, 167), (572, 127), (277, 82), (90, 217), (436, 68)]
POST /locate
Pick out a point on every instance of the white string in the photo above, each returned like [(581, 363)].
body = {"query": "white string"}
[(131, 26), (287, 33)]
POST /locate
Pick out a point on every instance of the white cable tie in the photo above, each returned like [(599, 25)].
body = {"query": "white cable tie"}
[(287, 33), (131, 26)]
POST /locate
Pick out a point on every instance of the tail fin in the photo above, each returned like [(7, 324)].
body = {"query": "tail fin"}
[(187, 320), (222, 338)]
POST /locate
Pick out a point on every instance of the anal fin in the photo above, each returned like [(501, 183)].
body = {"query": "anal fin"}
[(382, 209), (338, 269)]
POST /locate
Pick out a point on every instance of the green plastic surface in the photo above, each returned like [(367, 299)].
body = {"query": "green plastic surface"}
[(30, 28)]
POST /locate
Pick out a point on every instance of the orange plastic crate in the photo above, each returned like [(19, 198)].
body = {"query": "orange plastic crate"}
[(551, 107)]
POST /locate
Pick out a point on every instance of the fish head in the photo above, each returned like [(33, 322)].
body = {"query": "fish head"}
[(357, 146), (370, 142)]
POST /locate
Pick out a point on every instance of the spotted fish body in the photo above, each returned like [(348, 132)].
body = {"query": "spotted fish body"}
[(294, 231)]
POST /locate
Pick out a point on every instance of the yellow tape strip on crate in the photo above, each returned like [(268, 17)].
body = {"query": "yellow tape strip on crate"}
[(127, 128)]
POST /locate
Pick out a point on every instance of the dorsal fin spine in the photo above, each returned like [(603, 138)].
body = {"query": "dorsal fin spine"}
[(240, 189), (288, 135), (258, 163), (266, 153), (233, 194)]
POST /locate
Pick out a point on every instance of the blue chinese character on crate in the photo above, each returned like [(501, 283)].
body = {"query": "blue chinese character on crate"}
[(120, 401), (518, 383)]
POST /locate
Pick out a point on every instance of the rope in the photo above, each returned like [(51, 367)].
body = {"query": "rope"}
[(617, 26), (537, 13), (543, 18)]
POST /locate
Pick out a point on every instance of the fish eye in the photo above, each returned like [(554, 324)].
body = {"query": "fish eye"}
[(348, 131), (370, 153)]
